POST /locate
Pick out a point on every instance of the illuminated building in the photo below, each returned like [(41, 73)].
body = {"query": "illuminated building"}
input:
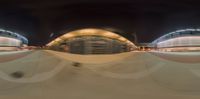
[(92, 41), (180, 40), (11, 40)]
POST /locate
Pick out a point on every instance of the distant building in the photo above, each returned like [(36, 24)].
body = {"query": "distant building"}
[(145, 46)]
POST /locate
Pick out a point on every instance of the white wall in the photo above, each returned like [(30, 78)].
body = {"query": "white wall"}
[(5, 41), (180, 41)]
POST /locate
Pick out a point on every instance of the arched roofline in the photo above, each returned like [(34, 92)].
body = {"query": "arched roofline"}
[(15, 35), (162, 38), (88, 32)]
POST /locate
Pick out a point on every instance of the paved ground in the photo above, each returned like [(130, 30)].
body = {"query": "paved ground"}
[(133, 75), (9, 56)]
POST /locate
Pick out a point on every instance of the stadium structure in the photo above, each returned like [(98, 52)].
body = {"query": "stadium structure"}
[(180, 40)]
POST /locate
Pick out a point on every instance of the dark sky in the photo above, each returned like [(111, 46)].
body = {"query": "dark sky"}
[(149, 19)]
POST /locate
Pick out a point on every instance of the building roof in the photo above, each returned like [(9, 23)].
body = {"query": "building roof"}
[(11, 34)]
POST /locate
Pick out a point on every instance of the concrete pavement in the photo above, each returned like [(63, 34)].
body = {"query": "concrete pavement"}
[(140, 75)]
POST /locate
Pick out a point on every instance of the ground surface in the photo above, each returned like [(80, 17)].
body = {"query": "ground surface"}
[(133, 75)]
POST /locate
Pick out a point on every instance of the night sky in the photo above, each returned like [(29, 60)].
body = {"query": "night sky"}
[(149, 19)]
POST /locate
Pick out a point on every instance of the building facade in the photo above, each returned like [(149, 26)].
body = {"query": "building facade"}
[(11, 40), (180, 40), (92, 42)]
